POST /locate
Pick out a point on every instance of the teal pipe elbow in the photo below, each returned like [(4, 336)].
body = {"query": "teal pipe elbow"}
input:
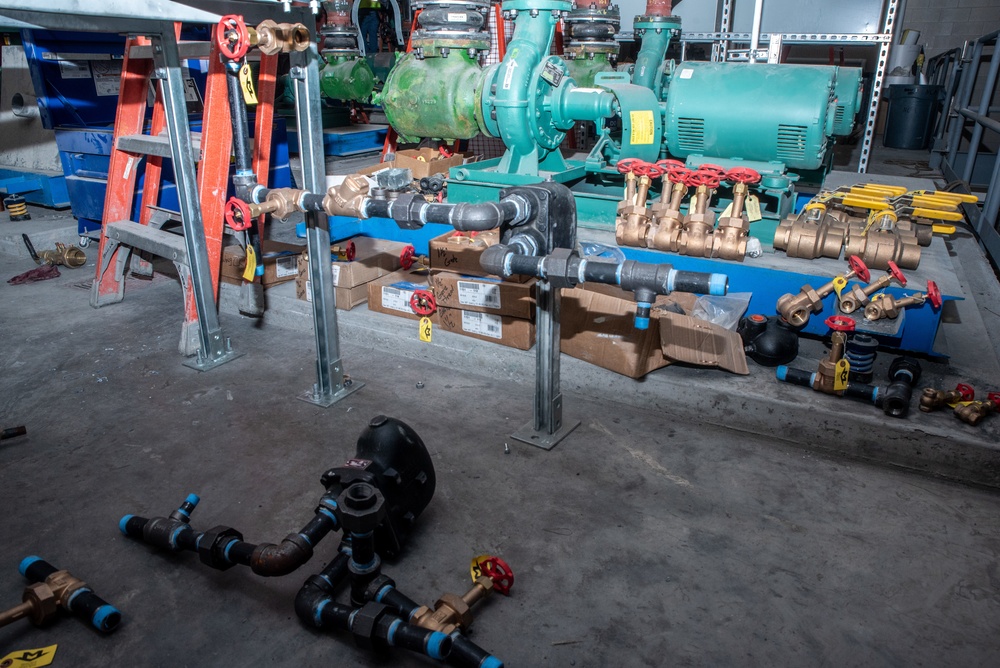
[(656, 32)]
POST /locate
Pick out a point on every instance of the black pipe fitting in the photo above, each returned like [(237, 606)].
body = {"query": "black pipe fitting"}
[(272, 560), (769, 341), (213, 545), (244, 178), (904, 374), (83, 602), (412, 211)]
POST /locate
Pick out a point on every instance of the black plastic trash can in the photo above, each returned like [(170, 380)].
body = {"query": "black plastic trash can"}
[(912, 111)]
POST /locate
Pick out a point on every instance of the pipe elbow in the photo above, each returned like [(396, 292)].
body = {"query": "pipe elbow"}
[(308, 600), (270, 560), (477, 217)]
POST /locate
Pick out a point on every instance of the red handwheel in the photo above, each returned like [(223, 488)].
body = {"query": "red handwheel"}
[(840, 323), (743, 175), (678, 174), (407, 257), (232, 37), (699, 178), (502, 575), (422, 302), (966, 391), (238, 214), (859, 268), (625, 166), (350, 251), (934, 294), (896, 273)]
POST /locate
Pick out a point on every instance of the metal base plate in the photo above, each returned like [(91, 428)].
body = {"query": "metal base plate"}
[(539, 439), (311, 397), (203, 364)]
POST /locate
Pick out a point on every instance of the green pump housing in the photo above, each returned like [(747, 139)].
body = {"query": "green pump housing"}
[(347, 77)]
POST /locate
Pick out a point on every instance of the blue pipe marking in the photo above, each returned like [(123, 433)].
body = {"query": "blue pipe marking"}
[(174, 534), (72, 597), (391, 636), (259, 271), (229, 545), (244, 172), (435, 642), (362, 535), (781, 372), (306, 539), (329, 503), (186, 514), (350, 619), (491, 662), (671, 275), (27, 561), (327, 579), (618, 275), (102, 614), (875, 395), (365, 568), (642, 322), (197, 543), (718, 284), (122, 522), (329, 515), (413, 614), (382, 592), (318, 614)]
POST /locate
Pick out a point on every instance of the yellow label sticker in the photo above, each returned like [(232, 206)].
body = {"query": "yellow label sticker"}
[(425, 330), (753, 209), (476, 567), (251, 268), (643, 127), (246, 85), (961, 403), (839, 284), (29, 658), (841, 375)]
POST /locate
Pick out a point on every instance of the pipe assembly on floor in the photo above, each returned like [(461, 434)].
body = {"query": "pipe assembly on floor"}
[(374, 499)]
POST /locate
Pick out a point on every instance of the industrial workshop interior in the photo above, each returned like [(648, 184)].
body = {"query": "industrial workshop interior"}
[(525, 333)]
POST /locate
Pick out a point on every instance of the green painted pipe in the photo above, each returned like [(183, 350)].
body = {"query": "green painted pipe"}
[(583, 70), (433, 97), (347, 77), (655, 32)]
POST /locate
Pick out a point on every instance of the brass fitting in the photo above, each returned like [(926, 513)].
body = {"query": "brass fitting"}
[(273, 38), (41, 600), (974, 412), (70, 256), (632, 223), (879, 242), (452, 611), (347, 198), (932, 400), (826, 374), (665, 230), (853, 299), (730, 237), (888, 306), (280, 203), (696, 238), (811, 234), (796, 309)]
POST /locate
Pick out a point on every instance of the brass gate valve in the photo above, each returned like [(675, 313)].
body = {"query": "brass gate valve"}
[(975, 412), (932, 400), (345, 252), (665, 231), (696, 237), (632, 224), (795, 309), (455, 612), (731, 235), (887, 306), (826, 375), (853, 299), (408, 257)]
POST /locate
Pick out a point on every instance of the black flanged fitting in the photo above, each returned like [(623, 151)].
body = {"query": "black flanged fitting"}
[(904, 374), (213, 544), (365, 625)]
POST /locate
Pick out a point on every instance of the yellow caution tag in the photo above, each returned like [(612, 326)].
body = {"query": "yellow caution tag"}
[(643, 127), (476, 567), (839, 284), (29, 658), (753, 209), (841, 375), (954, 405), (425, 330), (251, 268), (246, 85)]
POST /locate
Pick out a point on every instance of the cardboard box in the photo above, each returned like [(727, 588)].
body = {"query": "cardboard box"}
[(346, 298), (598, 326), (373, 259), (459, 252), (391, 294), (484, 294), (502, 329), (421, 162), (280, 263)]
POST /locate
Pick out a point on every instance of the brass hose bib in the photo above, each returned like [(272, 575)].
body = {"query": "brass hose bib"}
[(932, 400), (975, 412)]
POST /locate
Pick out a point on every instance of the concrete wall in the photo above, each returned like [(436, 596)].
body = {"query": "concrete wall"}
[(944, 25)]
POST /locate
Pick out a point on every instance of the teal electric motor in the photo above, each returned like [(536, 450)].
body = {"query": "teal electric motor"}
[(751, 111), (848, 91)]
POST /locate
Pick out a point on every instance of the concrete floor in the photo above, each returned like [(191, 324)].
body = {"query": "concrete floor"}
[(646, 538)]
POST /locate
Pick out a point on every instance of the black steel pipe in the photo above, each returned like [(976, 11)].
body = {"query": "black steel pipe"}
[(83, 603), (413, 209)]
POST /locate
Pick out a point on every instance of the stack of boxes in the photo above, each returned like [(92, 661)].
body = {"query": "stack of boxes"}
[(373, 259)]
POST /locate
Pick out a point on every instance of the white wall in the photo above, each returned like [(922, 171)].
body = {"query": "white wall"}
[(946, 24)]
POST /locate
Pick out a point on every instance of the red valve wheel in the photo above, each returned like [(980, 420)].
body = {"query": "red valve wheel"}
[(713, 169), (232, 37), (670, 163), (648, 169), (238, 214), (700, 178), (422, 302), (840, 323), (934, 294), (502, 575), (896, 273), (859, 268), (445, 152), (625, 166), (966, 391), (678, 174), (994, 397), (350, 251), (743, 175), (407, 257)]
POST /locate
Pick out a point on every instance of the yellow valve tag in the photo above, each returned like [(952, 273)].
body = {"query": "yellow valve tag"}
[(476, 567), (954, 405), (841, 375), (246, 85), (643, 127), (251, 268), (753, 209), (727, 212), (29, 658), (839, 284), (425, 329)]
